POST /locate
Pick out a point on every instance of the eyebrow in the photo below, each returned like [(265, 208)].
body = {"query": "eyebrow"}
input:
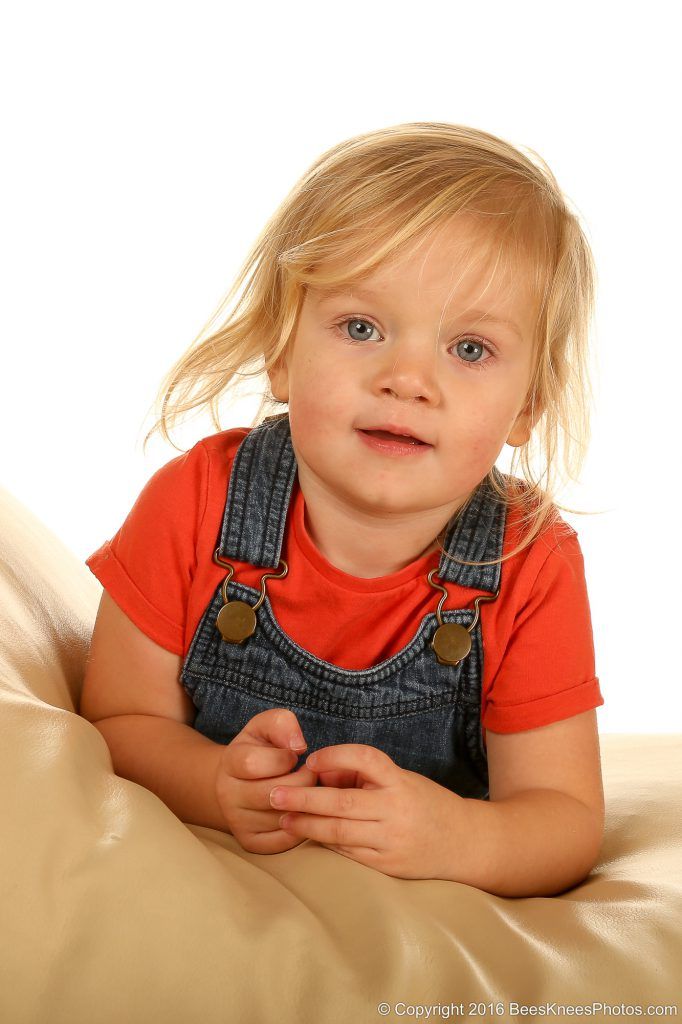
[(363, 293)]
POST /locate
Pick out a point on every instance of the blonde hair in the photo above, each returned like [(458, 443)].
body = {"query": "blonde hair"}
[(361, 202)]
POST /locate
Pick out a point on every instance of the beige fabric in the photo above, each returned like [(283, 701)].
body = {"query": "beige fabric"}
[(113, 910)]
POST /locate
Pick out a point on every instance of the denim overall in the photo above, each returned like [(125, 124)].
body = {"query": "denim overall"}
[(425, 715)]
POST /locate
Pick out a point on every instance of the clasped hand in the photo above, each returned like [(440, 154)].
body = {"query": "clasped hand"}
[(371, 810), (352, 798)]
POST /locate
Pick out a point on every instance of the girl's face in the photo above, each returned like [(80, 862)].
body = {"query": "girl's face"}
[(408, 348)]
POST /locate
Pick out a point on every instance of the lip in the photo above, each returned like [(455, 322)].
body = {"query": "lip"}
[(396, 428), (384, 446)]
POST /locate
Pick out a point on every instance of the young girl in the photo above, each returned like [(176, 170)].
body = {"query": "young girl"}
[(353, 577)]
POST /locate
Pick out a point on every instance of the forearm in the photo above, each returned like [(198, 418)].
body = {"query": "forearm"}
[(172, 760), (537, 843)]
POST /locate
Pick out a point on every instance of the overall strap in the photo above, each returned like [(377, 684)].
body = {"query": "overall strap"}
[(476, 534), (262, 477)]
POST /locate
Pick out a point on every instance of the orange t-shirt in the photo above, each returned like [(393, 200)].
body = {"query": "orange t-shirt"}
[(538, 664)]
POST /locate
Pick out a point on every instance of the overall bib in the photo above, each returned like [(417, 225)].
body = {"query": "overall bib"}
[(425, 715)]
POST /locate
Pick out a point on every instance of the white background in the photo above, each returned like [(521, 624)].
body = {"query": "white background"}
[(145, 145)]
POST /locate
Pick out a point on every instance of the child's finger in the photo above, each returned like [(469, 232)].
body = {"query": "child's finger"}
[(250, 761), (339, 778), (269, 744), (259, 831), (253, 796), (302, 777), (277, 727), (268, 841), (373, 766)]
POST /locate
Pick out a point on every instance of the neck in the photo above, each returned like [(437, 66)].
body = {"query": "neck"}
[(369, 545)]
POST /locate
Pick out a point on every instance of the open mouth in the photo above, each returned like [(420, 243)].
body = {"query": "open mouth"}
[(388, 436)]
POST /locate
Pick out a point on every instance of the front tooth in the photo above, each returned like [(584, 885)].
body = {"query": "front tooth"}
[(393, 437)]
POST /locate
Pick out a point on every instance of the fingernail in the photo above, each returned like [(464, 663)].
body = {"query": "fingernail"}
[(277, 798), (296, 742)]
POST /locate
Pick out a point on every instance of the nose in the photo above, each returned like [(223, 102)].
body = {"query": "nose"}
[(409, 370)]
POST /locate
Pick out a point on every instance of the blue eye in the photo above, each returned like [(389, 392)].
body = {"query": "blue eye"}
[(470, 342), (357, 324), (364, 327), (478, 364)]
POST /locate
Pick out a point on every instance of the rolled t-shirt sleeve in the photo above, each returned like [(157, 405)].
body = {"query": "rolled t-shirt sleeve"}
[(148, 565), (547, 672)]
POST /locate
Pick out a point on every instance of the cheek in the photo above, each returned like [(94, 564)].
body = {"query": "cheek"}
[(313, 416), (316, 423), (480, 430), (481, 439), (311, 372), (319, 394)]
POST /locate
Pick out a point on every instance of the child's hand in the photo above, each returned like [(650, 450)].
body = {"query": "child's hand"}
[(258, 758), (394, 820)]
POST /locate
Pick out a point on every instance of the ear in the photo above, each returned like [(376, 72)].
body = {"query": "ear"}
[(279, 380), (523, 425), (520, 432)]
